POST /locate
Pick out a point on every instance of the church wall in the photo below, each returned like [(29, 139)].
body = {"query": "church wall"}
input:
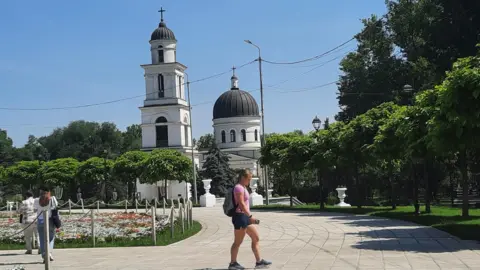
[(250, 124), (169, 48)]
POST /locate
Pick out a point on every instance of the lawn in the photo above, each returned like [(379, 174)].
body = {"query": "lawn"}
[(443, 218)]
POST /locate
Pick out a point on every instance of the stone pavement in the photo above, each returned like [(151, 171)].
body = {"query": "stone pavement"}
[(291, 240)]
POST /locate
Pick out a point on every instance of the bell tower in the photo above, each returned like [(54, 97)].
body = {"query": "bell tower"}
[(165, 114)]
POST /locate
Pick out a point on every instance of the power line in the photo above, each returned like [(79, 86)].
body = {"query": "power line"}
[(116, 100), (311, 58)]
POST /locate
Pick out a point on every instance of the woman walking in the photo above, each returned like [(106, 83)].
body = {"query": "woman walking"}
[(243, 222), (46, 202)]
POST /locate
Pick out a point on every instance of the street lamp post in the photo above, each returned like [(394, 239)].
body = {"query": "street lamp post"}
[(194, 179), (316, 125), (407, 91), (262, 139)]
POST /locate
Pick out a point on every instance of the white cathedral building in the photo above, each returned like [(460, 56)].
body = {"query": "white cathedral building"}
[(165, 116)]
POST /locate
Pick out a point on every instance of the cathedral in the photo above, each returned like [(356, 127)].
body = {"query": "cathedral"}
[(165, 116)]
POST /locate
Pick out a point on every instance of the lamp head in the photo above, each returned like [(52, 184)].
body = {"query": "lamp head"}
[(316, 123)]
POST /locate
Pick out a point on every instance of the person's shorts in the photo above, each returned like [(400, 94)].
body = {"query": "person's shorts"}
[(240, 221)]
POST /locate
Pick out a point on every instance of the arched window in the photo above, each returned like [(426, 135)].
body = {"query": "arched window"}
[(256, 135), (180, 87), (232, 136), (161, 89), (224, 139), (244, 135), (185, 130), (160, 54), (161, 132)]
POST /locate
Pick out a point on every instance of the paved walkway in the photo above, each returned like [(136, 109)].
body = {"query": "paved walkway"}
[(291, 240)]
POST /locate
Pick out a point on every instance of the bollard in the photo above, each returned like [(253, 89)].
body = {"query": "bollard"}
[(154, 228), (69, 207), (83, 208), (98, 206), (46, 242), (136, 206), (146, 205), (92, 217), (126, 206), (172, 221)]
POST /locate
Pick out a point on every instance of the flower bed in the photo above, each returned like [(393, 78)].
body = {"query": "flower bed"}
[(109, 227)]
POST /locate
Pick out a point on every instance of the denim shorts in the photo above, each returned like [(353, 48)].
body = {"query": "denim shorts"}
[(240, 221)]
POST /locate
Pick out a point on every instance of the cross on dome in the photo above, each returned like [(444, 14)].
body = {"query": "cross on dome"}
[(161, 13)]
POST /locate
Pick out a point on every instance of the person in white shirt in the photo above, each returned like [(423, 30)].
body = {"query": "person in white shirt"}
[(28, 214), (45, 202)]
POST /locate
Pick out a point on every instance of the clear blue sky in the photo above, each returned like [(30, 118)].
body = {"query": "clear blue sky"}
[(65, 53)]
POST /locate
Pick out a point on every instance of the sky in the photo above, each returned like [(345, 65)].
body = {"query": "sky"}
[(67, 53)]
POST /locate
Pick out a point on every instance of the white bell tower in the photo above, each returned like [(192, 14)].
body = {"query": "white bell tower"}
[(165, 114)]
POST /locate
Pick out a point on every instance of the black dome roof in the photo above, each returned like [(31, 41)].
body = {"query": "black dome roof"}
[(163, 32), (235, 103)]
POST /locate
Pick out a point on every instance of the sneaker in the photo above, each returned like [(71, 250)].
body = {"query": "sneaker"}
[(262, 263), (235, 266), (28, 252)]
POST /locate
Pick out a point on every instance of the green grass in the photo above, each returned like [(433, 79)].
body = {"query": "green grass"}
[(163, 238), (443, 218)]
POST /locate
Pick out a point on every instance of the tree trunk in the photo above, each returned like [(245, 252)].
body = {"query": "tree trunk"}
[(393, 195), (415, 195), (320, 184), (291, 189), (452, 191), (357, 186), (462, 160), (428, 192)]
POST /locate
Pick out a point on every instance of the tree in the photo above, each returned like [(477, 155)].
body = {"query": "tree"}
[(355, 139), (205, 142), (96, 172), (166, 164), (24, 173), (433, 34), (130, 166), (388, 148), (60, 172), (455, 126), (216, 167), (6, 148), (132, 138), (372, 74)]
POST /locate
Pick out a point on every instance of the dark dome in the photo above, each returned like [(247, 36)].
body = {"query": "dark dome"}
[(163, 32), (235, 103)]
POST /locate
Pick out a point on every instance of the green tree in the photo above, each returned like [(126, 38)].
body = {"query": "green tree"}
[(128, 167), (6, 148), (205, 142), (433, 34), (166, 164), (388, 148), (24, 173), (60, 172), (216, 167), (372, 74), (94, 175), (455, 125), (132, 138)]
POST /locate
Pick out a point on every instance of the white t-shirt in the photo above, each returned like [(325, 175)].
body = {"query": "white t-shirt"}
[(52, 205)]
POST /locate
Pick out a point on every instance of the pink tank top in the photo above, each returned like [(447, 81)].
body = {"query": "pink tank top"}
[(246, 197)]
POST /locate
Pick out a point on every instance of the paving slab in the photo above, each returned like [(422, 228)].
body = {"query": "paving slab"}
[(292, 240)]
